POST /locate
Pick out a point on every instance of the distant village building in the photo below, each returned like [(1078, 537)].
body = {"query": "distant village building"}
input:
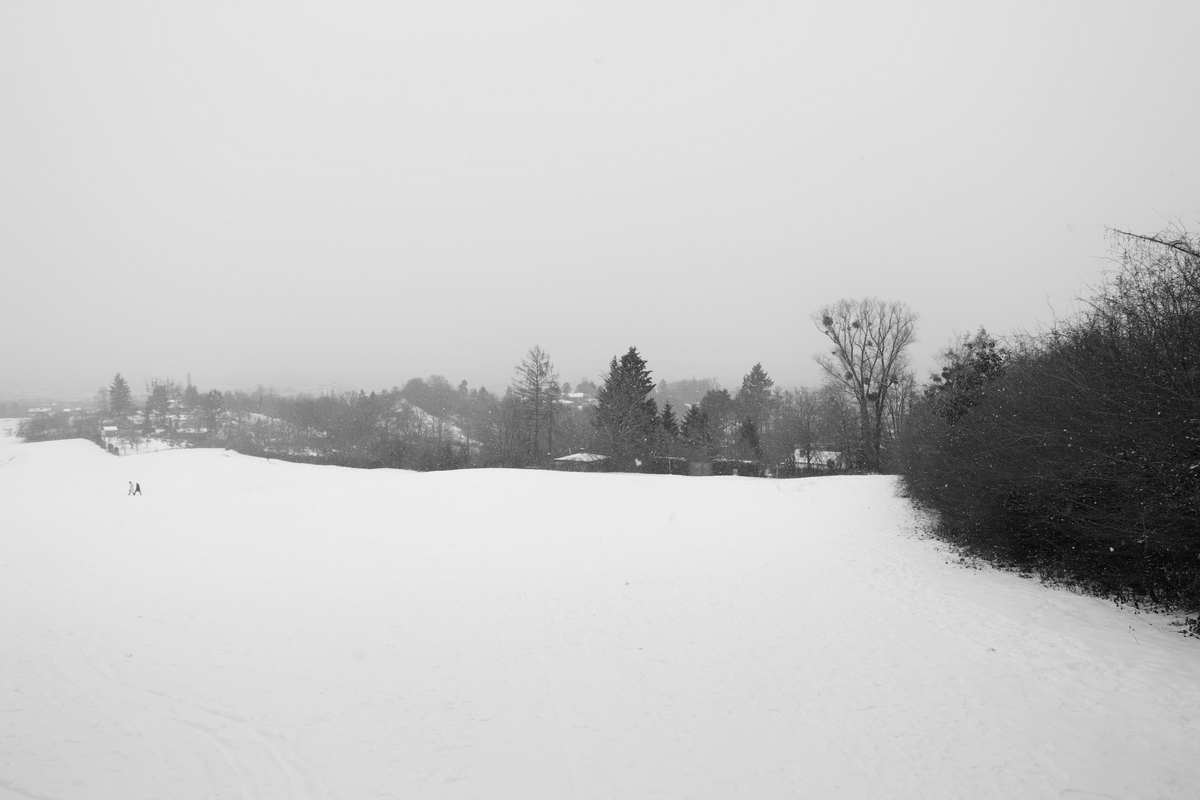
[(578, 400)]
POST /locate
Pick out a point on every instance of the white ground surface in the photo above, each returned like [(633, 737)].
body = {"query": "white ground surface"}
[(255, 629)]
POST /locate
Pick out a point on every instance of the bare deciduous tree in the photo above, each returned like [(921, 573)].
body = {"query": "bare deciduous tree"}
[(536, 389), (867, 360)]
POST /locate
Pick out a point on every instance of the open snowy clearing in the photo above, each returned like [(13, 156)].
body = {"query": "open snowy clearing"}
[(258, 629)]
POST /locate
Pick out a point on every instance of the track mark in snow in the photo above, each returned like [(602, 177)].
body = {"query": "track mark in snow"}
[(252, 753), (229, 753), (15, 789)]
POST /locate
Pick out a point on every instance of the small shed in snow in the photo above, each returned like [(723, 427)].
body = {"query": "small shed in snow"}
[(581, 462), (829, 460)]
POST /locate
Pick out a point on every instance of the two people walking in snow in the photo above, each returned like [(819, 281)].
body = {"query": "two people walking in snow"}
[(135, 488)]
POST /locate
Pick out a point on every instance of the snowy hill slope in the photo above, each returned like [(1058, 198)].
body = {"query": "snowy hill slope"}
[(253, 628)]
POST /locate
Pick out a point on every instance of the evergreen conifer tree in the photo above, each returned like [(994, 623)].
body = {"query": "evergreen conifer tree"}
[(667, 432), (120, 400), (211, 405), (720, 419), (191, 398), (748, 444), (755, 401), (695, 433), (158, 402), (668, 421), (626, 416)]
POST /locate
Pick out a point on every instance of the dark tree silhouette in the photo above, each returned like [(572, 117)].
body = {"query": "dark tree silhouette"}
[(867, 360), (120, 399), (626, 417)]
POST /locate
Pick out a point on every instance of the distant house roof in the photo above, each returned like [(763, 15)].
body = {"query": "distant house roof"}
[(586, 458)]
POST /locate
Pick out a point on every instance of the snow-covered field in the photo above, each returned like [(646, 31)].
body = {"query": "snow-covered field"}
[(258, 629)]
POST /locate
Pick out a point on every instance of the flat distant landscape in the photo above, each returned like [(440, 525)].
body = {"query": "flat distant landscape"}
[(249, 628)]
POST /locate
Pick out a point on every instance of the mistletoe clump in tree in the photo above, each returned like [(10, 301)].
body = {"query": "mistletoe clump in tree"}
[(626, 416), (867, 361)]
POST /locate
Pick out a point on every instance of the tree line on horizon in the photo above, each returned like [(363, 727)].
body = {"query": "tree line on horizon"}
[(638, 423), (1072, 454)]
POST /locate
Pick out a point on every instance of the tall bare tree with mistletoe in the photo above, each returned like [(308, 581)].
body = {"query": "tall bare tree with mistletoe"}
[(867, 360)]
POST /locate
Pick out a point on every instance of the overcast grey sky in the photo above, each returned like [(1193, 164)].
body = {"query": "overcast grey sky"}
[(297, 194)]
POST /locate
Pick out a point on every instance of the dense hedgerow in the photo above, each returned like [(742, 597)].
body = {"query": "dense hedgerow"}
[(1076, 454)]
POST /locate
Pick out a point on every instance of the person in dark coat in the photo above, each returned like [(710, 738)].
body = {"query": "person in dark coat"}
[(137, 488)]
